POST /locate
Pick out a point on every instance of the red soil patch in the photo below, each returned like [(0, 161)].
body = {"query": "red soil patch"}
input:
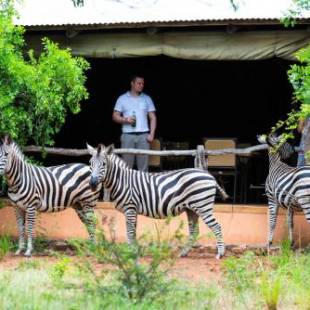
[(195, 268)]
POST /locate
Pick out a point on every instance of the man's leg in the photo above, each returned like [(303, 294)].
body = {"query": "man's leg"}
[(128, 142), (301, 159), (143, 160)]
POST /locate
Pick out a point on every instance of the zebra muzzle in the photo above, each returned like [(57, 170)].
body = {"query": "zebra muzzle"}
[(93, 183)]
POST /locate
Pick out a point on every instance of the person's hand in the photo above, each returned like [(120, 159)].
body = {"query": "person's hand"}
[(150, 138), (129, 120)]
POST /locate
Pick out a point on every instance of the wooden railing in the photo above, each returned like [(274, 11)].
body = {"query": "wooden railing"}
[(82, 152), (199, 153)]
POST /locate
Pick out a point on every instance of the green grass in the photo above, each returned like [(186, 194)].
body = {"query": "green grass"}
[(279, 281), (273, 282), (35, 288)]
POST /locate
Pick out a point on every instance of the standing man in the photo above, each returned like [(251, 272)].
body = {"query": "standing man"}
[(304, 129), (135, 111)]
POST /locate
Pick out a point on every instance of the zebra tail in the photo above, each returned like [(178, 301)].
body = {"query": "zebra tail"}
[(222, 192)]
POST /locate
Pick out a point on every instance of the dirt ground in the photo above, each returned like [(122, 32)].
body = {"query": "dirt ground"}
[(196, 268)]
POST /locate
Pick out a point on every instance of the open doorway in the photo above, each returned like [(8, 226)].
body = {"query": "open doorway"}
[(194, 99)]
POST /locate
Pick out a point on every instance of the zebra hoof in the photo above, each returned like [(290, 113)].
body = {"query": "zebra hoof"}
[(220, 253), (184, 252), (219, 256), (27, 253), (18, 252), (196, 245), (268, 246)]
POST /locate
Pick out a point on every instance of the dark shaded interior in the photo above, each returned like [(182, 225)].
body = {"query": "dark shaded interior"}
[(194, 99)]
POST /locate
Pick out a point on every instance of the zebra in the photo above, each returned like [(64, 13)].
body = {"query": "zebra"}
[(286, 187), (158, 195), (33, 188)]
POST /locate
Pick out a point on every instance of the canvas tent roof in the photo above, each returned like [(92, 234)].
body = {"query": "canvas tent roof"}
[(185, 45), (197, 45), (124, 12)]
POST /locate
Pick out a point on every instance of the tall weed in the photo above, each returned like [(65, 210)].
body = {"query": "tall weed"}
[(5, 246), (270, 288)]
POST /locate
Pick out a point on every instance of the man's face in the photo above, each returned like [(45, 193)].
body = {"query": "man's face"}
[(137, 85)]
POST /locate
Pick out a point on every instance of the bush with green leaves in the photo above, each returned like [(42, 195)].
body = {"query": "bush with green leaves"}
[(58, 271), (299, 77), (36, 93), (296, 9), (139, 270)]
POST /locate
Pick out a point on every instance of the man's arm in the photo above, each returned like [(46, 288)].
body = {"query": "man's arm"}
[(153, 123), (301, 125), (118, 118)]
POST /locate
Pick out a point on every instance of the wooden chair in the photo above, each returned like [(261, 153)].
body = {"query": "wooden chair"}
[(243, 163), (222, 165)]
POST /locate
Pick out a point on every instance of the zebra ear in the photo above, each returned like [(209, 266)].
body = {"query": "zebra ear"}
[(6, 139), (90, 149), (262, 139), (109, 149), (100, 148)]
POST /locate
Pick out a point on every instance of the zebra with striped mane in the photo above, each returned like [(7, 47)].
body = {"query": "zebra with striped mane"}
[(45, 189), (158, 195), (286, 187)]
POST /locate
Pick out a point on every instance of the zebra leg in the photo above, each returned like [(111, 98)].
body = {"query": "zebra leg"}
[(193, 227), (290, 222), (272, 214), (20, 218), (131, 224), (208, 218), (31, 218), (305, 205), (88, 218)]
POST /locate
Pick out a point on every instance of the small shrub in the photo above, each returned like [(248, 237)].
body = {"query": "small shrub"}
[(59, 269), (240, 272), (139, 270), (5, 246)]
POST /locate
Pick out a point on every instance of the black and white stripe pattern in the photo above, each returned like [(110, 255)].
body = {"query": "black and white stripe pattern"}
[(158, 195), (287, 187), (32, 188)]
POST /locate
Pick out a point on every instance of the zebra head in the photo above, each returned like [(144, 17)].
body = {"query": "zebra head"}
[(5, 150), (278, 144), (98, 163)]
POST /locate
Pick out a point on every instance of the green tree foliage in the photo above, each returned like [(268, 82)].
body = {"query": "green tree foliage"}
[(78, 3), (295, 10), (298, 75), (36, 93)]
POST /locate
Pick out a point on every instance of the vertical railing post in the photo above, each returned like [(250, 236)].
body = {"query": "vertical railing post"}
[(106, 195), (200, 158)]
